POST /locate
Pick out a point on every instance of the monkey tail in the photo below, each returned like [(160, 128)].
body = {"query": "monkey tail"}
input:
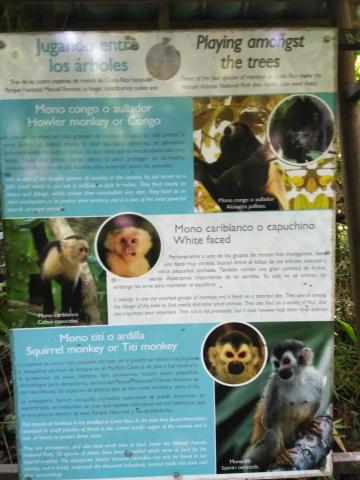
[(264, 450)]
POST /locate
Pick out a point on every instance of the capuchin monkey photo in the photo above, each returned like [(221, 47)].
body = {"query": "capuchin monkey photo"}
[(62, 260), (128, 245), (288, 408), (301, 129), (233, 359), (244, 176), (126, 251), (57, 279)]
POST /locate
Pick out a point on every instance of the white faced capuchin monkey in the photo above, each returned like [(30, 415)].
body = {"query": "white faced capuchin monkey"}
[(289, 405), (234, 359), (62, 260), (126, 249)]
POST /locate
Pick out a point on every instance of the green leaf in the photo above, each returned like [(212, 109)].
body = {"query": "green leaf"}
[(349, 330)]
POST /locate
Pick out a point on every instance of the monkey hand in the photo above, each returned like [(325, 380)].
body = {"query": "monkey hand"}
[(284, 457), (309, 427)]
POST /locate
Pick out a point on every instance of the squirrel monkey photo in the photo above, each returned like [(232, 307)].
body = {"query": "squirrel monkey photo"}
[(289, 405), (234, 359), (62, 260), (126, 251)]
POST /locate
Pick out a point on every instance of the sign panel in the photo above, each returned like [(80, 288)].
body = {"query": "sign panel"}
[(168, 215)]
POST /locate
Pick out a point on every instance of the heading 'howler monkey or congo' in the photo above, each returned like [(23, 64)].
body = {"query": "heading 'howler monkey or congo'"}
[(304, 132), (243, 177), (289, 405), (126, 249), (234, 359), (62, 260)]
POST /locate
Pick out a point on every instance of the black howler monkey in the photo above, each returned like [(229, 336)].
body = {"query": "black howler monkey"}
[(61, 260), (304, 132), (243, 177)]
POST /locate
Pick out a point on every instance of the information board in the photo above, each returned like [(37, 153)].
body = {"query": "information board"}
[(168, 205)]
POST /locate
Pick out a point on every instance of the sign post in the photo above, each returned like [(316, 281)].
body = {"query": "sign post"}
[(168, 205)]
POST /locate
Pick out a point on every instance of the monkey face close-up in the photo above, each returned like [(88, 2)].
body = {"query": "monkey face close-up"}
[(233, 358), (297, 143), (129, 243), (75, 249), (304, 132), (126, 251), (289, 358)]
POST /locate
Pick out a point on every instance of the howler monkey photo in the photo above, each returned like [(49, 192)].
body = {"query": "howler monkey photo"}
[(244, 176), (301, 129), (255, 152)]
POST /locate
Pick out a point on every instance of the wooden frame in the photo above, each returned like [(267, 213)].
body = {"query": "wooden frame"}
[(164, 20), (344, 463)]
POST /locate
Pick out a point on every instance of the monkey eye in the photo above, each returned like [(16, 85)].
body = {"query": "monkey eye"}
[(276, 364), (133, 240), (286, 361), (242, 354), (229, 354)]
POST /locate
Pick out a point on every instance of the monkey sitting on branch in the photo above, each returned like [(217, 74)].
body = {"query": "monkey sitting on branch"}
[(234, 359), (127, 248), (244, 174), (288, 408), (62, 260)]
